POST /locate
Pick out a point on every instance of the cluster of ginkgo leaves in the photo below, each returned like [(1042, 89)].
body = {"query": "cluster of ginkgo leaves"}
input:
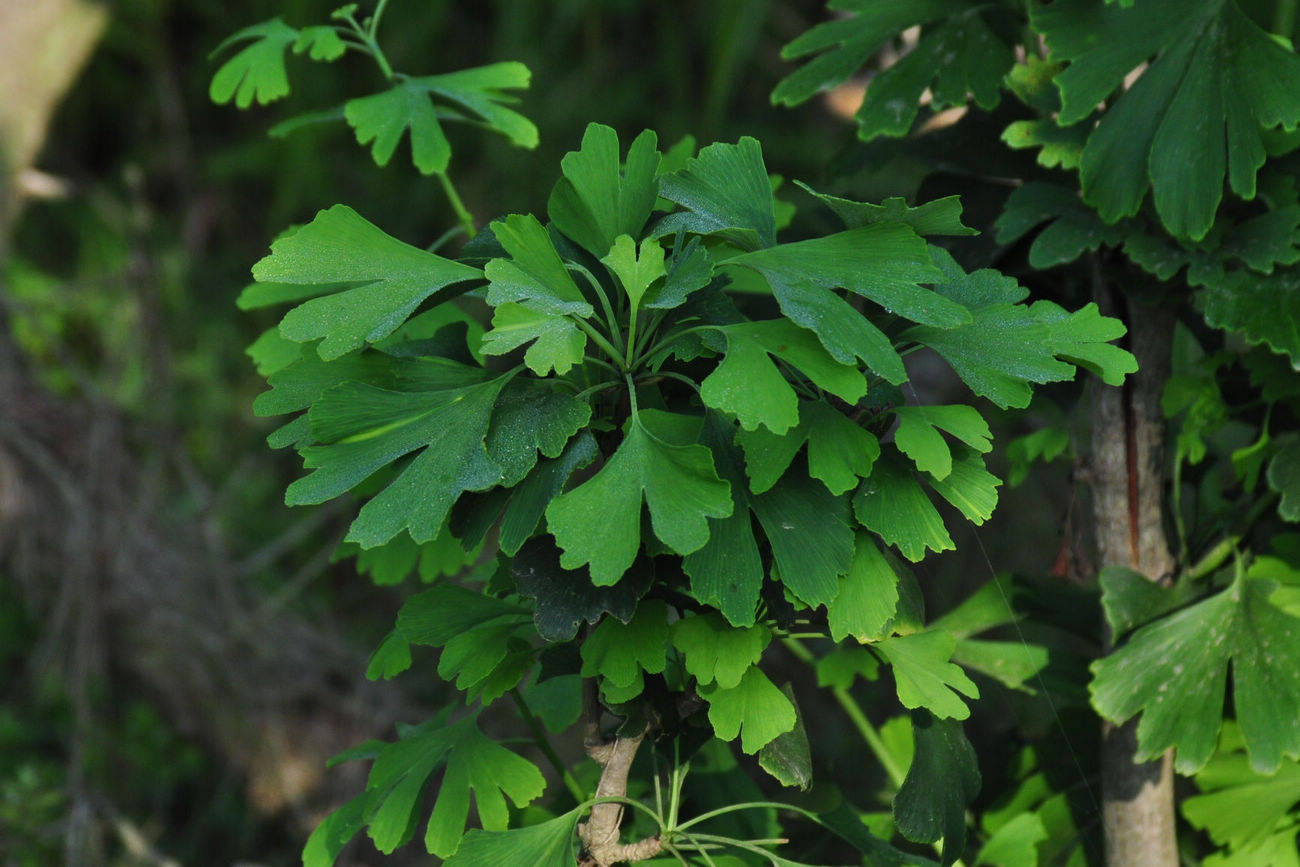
[(678, 437), (1165, 131)]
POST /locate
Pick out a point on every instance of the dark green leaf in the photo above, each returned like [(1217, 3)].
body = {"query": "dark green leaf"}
[(943, 779)]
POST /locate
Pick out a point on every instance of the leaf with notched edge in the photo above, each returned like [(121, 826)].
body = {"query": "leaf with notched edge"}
[(658, 461), (367, 283)]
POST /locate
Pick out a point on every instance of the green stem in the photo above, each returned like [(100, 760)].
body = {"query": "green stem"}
[(631, 392), (375, 51), (648, 333), (600, 386), (374, 19), (611, 319), (743, 844), (591, 359), (671, 339), (462, 213), (668, 374), (444, 238), (748, 805), (599, 340), (628, 802), (544, 744), (854, 712), (631, 334), (1224, 548), (1284, 18)]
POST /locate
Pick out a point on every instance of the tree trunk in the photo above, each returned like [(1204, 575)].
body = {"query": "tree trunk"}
[(1128, 480)]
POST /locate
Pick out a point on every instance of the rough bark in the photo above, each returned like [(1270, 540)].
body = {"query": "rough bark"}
[(600, 833), (1128, 486)]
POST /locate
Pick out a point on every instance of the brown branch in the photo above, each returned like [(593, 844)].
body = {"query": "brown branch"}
[(600, 833)]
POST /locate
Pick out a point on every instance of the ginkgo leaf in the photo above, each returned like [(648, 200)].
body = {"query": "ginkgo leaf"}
[(1194, 116), (1284, 477), (474, 764), (619, 652), (754, 709), (595, 201), (1263, 309), (748, 383), (635, 270), (937, 217), (1174, 672), (726, 192), (321, 42), (384, 118), (689, 269), (840, 668), (918, 435), (892, 504), (335, 831), (924, 676), (362, 428), (528, 501), (566, 598), (1239, 807), (787, 757), (810, 533), (437, 615), (534, 275), (368, 282), (1009, 346), (599, 522), (883, 262), (258, 70), (727, 572), (546, 844), (1072, 227), (555, 342), (969, 487), (717, 652), (962, 52), (839, 451), (867, 597), (943, 778), (532, 417)]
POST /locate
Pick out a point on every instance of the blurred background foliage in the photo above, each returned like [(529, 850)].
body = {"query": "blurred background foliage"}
[(117, 288)]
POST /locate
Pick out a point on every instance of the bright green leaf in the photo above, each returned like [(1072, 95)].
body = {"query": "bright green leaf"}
[(725, 191), (1174, 671), (381, 279), (546, 844), (636, 271), (749, 384), (258, 69), (599, 522), (619, 652), (892, 504), (715, 651), (754, 709), (595, 202), (924, 676), (883, 262), (839, 451), (1010, 346), (867, 597), (918, 435)]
